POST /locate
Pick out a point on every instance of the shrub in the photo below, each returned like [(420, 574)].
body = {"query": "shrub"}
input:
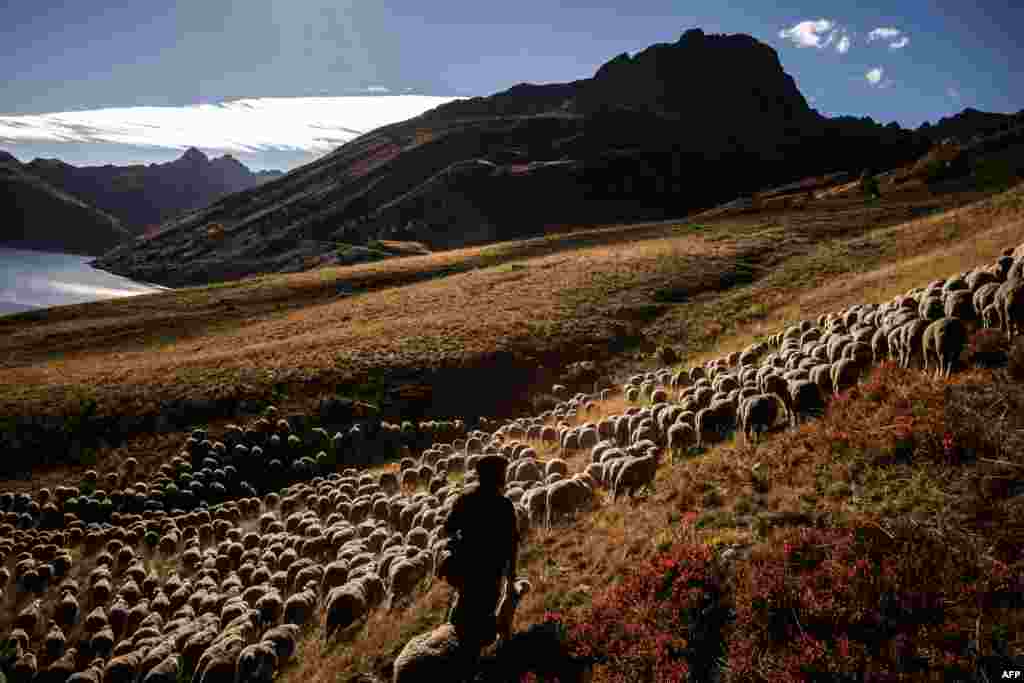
[(1015, 364), (663, 622), (987, 348), (862, 601)]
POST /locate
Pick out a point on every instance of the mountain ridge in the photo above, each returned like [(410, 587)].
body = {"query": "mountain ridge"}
[(647, 137), (35, 215), (142, 195)]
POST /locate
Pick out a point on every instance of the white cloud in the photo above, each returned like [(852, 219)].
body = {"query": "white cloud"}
[(378, 88), (884, 33), (313, 124), (875, 75), (819, 34), (953, 92), (900, 44), (809, 33)]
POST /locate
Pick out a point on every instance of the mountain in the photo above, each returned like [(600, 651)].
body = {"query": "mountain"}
[(36, 215), (141, 195), (675, 128), (969, 123)]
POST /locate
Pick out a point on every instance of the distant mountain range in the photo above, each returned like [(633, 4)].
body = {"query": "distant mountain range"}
[(675, 128), (42, 198), (37, 215)]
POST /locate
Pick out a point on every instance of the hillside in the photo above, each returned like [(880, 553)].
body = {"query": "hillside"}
[(37, 215), (412, 333), (142, 196), (648, 137), (888, 528)]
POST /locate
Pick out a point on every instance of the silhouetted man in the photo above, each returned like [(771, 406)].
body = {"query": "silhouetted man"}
[(485, 533)]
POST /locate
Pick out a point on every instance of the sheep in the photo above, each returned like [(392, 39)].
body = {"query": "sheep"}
[(54, 642), (945, 338), (404, 575), (680, 436), (805, 398), (284, 640), (758, 414), (910, 339), (167, 671), (959, 304), (298, 608), (879, 345), (557, 465), (636, 473), (713, 422), (62, 669), (564, 498), (25, 667), (256, 663), (433, 656), (270, 606), (1011, 304), (346, 605), (845, 372), (505, 613), (991, 317), (388, 482), (91, 674), (29, 617), (534, 502), (122, 669), (984, 296)]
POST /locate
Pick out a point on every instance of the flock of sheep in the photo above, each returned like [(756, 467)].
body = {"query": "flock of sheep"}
[(206, 571)]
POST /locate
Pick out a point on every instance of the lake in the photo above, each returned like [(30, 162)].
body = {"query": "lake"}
[(30, 280)]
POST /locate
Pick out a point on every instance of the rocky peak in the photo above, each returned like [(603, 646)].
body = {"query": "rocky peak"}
[(709, 80), (194, 156)]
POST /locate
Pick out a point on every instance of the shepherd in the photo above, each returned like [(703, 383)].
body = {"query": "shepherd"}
[(484, 541)]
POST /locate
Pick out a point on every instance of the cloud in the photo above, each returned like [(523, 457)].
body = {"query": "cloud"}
[(808, 33), (900, 40), (875, 75), (883, 34), (953, 93), (310, 124), (819, 34), (378, 88)]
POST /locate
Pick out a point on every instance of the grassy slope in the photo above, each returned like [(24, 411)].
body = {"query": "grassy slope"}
[(833, 473), (706, 290), (293, 338)]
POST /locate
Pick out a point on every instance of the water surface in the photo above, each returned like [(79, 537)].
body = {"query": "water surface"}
[(31, 280)]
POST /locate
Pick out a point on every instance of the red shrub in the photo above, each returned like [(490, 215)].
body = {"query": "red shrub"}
[(661, 623), (858, 602)]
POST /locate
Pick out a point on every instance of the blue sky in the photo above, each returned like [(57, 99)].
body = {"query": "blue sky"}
[(74, 56)]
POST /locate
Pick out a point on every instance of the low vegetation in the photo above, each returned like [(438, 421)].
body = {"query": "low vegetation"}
[(509, 314), (880, 542)]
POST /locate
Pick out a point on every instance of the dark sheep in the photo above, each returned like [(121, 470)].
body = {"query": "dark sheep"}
[(945, 340)]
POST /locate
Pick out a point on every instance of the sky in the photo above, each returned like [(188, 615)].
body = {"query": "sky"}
[(906, 62)]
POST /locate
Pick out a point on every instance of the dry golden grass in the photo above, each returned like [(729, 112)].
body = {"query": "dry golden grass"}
[(358, 330), (706, 289), (837, 470)]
